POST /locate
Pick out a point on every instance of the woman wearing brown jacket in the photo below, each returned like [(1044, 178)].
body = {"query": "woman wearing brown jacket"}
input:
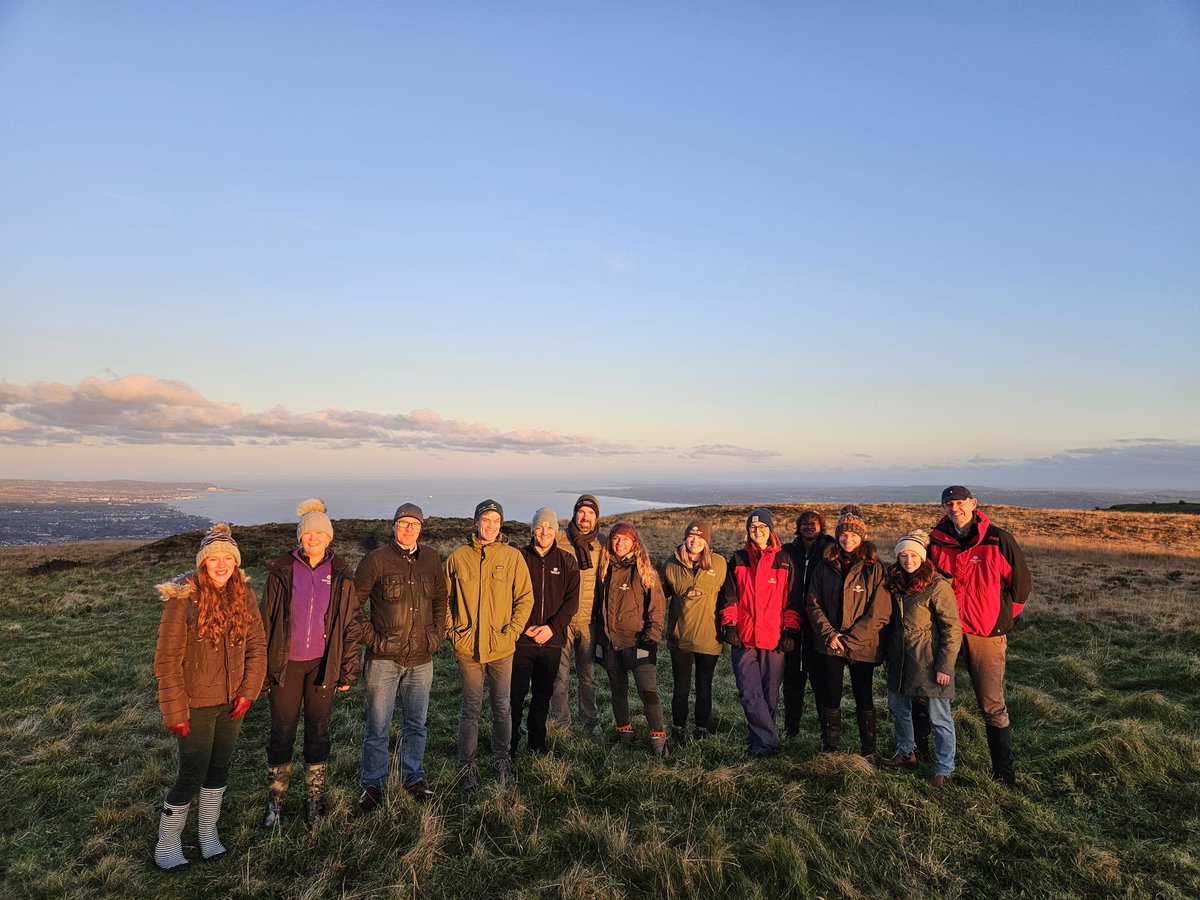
[(628, 622), (210, 663), (848, 606)]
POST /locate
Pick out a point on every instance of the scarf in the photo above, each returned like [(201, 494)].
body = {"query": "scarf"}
[(582, 544)]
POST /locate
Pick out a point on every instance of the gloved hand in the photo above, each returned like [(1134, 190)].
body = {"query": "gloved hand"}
[(788, 640), (729, 634), (183, 729), (644, 643), (240, 705)]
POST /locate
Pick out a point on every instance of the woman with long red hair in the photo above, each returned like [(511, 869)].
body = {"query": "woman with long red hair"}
[(210, 662)]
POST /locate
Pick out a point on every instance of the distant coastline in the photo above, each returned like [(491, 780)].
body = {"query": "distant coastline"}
[(45, 511), (30, 490)]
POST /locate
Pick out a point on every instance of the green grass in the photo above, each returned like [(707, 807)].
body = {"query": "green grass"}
[(1104, 721)]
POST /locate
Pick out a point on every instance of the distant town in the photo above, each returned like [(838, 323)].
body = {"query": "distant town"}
[(44, 512), (22, 490)]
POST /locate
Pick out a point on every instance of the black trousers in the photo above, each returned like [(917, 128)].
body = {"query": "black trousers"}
[(299, 688), (537, 666), (682, 663), (800, 668), (829, 684)]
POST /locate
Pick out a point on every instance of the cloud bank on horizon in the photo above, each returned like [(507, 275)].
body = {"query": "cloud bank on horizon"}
[(145, 410)]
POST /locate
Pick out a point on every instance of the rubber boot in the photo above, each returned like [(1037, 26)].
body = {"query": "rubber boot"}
[(921, 727), (168, 853), (866, 734), (831, 730), (1000, 746), (278, 779), (658, 743), (314, 793), (209, 813)]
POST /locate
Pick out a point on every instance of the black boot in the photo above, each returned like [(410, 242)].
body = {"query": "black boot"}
[(866, 734), (921, 726), (831, 730), (1000, 746)]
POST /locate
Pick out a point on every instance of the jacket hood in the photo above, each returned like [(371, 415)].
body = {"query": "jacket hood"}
[(183, 587)]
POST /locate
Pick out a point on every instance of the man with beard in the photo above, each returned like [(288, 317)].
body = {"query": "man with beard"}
[(582, 539)]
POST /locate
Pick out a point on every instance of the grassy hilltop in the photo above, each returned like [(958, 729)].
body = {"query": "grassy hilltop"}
[(1103, 688)]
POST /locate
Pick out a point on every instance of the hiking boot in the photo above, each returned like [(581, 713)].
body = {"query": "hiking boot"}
[(419, 791), (679, 735), (468, 777), (701, 733), (369, 799), (504, 772), (939, 781), (902, 761)]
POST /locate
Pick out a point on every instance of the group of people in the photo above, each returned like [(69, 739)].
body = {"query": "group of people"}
[(519, 620)]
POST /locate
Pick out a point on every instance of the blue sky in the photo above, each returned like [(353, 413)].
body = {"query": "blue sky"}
[(813, 241)]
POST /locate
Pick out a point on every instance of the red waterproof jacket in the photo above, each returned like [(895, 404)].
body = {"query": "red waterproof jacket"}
[(988, 571), (755, 595)]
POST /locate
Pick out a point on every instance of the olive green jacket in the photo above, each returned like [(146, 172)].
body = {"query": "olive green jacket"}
[(925, 638), (692, 603), (491, 597)]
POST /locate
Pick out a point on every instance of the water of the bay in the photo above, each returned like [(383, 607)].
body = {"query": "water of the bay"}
[(256, 502)]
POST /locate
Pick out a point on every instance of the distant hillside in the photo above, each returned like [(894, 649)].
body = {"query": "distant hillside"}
[(1179, 506)]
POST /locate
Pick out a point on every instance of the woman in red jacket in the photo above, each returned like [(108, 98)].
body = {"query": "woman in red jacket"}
[(210, 662), (760, 626)]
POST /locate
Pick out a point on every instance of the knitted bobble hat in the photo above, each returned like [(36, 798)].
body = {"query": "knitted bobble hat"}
[(218, 539), (851, 519), (313, 518), (915, 542)]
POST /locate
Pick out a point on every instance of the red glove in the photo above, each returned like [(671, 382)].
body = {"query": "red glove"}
[(240, 705), (183, 729)]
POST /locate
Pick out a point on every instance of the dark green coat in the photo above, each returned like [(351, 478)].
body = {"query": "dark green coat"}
[(923, 640)]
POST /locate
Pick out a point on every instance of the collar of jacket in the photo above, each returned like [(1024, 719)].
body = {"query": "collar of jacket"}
[(474, 541)]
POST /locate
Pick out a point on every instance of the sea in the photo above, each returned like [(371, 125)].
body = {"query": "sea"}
[(258, 502)]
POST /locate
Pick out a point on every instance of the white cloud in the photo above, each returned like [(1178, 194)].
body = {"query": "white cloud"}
[(141, 409)]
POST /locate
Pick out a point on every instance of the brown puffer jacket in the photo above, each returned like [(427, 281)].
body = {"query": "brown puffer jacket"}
[(193, 672)]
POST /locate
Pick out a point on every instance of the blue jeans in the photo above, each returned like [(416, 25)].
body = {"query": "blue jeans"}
[(499, 678), (940, 717), (758, 674), (383, 677)]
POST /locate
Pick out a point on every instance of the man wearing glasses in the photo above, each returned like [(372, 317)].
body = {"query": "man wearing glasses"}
[(404, 586)]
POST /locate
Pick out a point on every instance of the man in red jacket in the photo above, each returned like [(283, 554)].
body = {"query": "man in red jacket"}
[(991, 583)]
